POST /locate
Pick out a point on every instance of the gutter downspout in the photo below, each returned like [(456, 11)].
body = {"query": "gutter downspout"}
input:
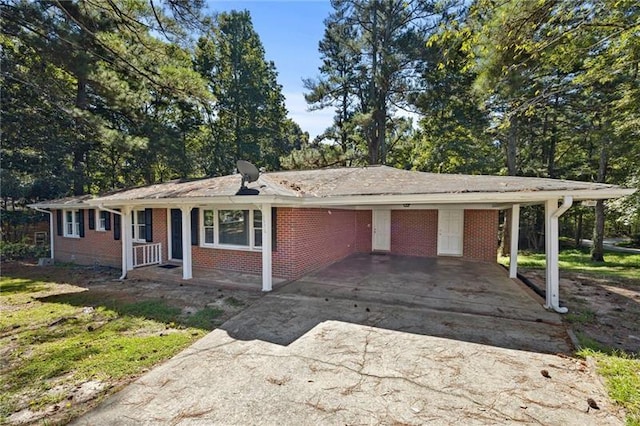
[(124, 243), (554, 301), (38, 209)]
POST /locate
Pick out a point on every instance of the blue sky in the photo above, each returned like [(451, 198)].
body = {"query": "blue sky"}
[(290, 32)]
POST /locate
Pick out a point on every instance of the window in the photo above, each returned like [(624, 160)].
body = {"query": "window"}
[(101, 220), (72, 223), (138, 226), (237, 228), (208, 226), (234, 227), (257, 228)]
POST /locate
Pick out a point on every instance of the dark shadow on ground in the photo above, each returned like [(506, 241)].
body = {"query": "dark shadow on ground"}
[(448, 298)]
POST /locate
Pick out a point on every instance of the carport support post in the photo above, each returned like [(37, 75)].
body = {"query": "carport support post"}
[(127, 236), (515, 235), (551, 214), (267, 223), (187, 273)]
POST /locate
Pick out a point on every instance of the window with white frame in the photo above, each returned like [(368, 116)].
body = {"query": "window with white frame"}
[(231, 228), (72, 223), (208, 227), (138, 226), (101, 220)]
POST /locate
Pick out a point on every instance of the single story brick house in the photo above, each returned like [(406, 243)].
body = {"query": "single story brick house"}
[(286, 224)]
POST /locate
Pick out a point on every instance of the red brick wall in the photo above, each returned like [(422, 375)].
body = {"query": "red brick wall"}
[(97, 247), (414, 232), (233, 260), (480, 235), (313, 238), (307, 239)]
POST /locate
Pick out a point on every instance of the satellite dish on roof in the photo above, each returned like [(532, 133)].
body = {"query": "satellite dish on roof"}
[(248, 171)]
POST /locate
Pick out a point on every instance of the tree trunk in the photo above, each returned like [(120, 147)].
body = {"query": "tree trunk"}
[(597, 250), (512, 146), (578, 234), (374, 147), (79, 150), (511, 154)]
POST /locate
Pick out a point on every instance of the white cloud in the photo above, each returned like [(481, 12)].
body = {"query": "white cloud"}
[(314, 122)]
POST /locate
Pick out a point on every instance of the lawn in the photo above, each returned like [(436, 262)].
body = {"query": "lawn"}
[(620, 265), (621, 370), (61, 347)]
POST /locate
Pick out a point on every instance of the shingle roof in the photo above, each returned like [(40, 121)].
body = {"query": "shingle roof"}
[(343, 182)]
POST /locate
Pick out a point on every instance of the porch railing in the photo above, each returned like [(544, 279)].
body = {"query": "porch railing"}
[(147, 254)]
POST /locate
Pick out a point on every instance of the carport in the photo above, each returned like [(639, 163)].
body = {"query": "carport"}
[(443, 296), (375, 339)]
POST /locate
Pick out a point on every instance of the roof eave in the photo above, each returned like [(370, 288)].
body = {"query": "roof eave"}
[(530, 197)]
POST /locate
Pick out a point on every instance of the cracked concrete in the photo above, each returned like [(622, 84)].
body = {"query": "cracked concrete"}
[(394, 356)]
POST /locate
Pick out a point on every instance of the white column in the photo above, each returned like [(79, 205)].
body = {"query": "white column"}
[(187, 273), (127, 237), (515, 236), (551, 250), (267, 278)]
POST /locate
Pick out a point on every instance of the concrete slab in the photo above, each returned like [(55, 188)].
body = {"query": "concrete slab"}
[(446, 283), (298, 356)]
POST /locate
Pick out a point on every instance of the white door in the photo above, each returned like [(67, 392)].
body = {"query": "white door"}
[(450, 230), (381, 238)]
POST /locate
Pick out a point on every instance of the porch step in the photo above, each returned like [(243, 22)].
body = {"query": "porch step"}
[(202, 277)]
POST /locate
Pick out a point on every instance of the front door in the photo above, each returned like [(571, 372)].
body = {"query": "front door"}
[(176, 234), (450, 229), (381, 237)]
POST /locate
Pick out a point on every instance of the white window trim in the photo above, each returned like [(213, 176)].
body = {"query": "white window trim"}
[(99, 226), (216, 229), (75, 224), (135, 229)]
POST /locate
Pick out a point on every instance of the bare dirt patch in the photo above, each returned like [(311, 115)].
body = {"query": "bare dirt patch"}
[(606, 310)]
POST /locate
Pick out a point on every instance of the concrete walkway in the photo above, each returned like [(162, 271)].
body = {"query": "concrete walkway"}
[(375, 340)]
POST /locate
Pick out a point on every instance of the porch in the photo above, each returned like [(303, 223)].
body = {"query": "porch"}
[(172, 273)]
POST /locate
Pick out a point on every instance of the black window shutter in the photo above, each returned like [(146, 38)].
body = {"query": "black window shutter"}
[(92, 219), (81, 211), (274, 229), (107, 220), (59, 221), (117, 228), (148, 225), (195, 219)]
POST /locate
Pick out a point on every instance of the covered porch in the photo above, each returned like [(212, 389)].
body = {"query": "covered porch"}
[(172, 272)]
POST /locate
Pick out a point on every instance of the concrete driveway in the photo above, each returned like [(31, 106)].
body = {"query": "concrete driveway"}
[(375, 340)]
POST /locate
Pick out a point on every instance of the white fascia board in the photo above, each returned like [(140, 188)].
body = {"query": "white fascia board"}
[(463, 198), (68, 206), (353, 201), (191, 201)]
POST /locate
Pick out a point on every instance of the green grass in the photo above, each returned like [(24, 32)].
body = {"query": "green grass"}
[(56, 342), (621, 372), (619, 265)]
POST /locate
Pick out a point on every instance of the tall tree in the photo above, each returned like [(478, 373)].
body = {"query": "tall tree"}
[(92, 67), (248, 118), (370, 55)]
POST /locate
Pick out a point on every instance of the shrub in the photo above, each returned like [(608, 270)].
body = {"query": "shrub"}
[(21, 250)]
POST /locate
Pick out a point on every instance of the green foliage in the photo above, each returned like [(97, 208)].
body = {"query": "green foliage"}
[(370, 60), (622, 265), (64, 340), (248, 118), (21, 250), (622, 376)]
